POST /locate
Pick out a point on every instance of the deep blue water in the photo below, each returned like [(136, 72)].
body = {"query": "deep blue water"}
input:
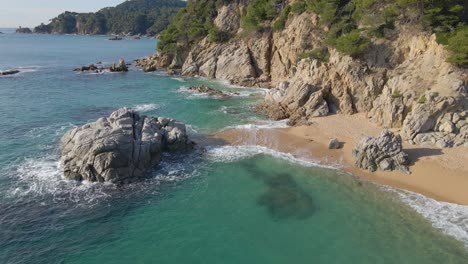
[(220, 205)]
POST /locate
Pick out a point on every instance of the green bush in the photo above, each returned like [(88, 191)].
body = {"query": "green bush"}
[(351, 43), (280, 23), (422, 99), (396, 94), (320, 54), (258, 12), (458, 47)]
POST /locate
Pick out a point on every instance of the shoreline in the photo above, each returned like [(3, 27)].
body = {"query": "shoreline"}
[(440, 174)]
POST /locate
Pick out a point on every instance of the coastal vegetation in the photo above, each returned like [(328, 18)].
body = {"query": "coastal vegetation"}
[(347, 25), (134, 17)]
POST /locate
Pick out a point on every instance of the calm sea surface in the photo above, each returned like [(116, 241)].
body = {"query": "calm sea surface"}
[(218, 205)]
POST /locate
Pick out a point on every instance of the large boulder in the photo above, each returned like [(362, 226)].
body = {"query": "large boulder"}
[(120, 148), (119, 67), (383, 152)]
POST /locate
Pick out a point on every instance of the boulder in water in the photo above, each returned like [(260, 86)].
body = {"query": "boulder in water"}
[(9, 72), (119, 67), (120, 148), (384, 152), (203, 89)]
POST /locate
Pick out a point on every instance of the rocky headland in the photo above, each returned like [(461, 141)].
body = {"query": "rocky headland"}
[(402, 79), (121, 148)]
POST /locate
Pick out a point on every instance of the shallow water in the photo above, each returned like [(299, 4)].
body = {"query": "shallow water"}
[(219, 205)]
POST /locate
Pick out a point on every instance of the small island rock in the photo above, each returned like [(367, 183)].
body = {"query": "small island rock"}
[(9, 72), (119, 67), (120, 148)]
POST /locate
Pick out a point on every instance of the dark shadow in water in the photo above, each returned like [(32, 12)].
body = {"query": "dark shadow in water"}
[(284, 198), (417, 153)]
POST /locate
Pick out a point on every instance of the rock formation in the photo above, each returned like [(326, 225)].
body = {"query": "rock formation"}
[(9, 72), (90, 67), (119, 67), (384, 152), (120, 148), (403, 80), (24, 30), (203, 89)]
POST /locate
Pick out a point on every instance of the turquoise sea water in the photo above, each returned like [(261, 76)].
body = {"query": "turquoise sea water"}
[(220, 204)]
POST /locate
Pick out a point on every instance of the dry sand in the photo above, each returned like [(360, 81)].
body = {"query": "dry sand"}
[(441, 174)]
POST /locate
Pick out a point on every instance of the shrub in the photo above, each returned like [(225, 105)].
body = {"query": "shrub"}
[(258, 11), (280, 23), (396, 94), (458, 47), (320, 54), (422, 100), (351, 43)]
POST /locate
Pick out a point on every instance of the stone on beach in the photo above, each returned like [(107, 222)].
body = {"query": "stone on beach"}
[(120, 148), (383, 152)]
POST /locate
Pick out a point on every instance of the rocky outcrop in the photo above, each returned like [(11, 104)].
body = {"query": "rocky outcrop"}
[(402, 81), (384, 153), (24, 30), (203, 89), (119, 67), (90, 67), (9, 72), (120, 148)]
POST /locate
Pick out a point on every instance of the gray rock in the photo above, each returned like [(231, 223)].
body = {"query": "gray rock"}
[(447, 127), (383, 152), (119, 67), (334, 144), (120, 148), (9, 72), (445, 142)]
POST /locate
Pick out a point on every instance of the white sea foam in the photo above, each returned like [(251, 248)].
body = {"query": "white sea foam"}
[(145, 107), (231, 153), (451, 218), (23, 70), (262, 124), (178, 79)]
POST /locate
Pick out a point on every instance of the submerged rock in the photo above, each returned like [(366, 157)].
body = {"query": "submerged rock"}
[(120, 148), (90, 67), (119, 67), (9, 72), (384, 152), (203, 89)]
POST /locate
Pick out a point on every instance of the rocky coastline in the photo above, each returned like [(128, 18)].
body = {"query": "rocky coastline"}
[(403, 81)]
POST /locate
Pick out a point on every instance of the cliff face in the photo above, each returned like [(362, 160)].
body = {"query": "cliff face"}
[(401, 81)]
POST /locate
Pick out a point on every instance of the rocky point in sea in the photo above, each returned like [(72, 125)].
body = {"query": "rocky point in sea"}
[(121, 148)]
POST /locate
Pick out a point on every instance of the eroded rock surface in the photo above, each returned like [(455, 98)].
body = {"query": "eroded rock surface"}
[(384, 152), (120, 148)]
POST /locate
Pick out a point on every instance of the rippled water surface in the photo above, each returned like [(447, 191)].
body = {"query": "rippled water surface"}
[(216, 205)]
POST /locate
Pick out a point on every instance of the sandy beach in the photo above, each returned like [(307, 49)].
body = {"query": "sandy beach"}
[(441, 174)]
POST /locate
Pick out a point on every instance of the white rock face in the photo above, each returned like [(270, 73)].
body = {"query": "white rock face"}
[(120, 148)]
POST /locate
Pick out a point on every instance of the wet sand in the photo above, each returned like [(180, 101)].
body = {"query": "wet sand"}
[(441, 174)]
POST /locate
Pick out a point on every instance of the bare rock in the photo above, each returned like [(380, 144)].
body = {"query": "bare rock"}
[(334, 144), (384, 152), (9, 72), (119, 67), (120, 148)]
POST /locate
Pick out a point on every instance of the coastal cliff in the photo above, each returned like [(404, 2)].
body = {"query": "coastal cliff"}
[(130, 17), (396, 69)]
